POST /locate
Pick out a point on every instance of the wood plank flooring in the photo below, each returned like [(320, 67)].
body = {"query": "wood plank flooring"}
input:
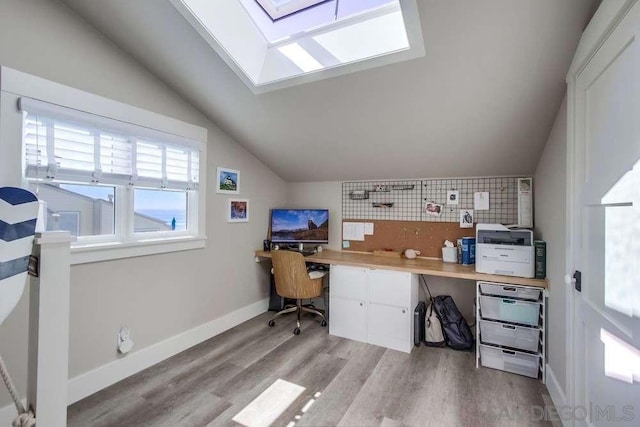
[(360, 384)]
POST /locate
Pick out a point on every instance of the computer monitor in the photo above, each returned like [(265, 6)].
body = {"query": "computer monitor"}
[(300, 226)]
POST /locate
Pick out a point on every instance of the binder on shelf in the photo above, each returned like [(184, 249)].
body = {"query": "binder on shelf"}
[(541, 258)]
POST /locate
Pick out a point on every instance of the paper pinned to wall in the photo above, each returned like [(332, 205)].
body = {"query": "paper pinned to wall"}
[(368, 228), (353, 231), (481, 201), (466, 218), (525, 202)]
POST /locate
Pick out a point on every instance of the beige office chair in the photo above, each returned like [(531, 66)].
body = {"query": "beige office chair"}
[(294, 282)]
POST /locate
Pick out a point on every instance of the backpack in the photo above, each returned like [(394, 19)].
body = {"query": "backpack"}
[(456, 331), (433, 329)]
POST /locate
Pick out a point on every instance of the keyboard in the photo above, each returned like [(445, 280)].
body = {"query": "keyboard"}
[(317, 267)]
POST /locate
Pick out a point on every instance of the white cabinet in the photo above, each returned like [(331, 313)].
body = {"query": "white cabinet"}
[(390, 326), (373, 306), (348, 318)]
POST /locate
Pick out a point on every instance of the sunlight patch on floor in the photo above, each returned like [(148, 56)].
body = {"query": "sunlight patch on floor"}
[(269, 405)]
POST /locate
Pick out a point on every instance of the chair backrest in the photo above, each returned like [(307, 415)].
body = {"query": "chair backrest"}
[(292, 279)]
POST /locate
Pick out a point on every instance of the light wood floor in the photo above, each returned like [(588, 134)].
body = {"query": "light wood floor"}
[(361, 384)]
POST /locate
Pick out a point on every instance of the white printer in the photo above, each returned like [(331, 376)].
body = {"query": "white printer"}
[(500, 250)]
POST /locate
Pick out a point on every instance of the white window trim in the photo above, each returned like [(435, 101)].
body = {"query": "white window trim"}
[(20, 84)]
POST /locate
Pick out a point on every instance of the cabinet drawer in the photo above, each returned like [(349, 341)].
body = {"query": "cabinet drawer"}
[(348, 282), (390, 287), (503, 290), (510, 361), (520, 337), (510, 310)]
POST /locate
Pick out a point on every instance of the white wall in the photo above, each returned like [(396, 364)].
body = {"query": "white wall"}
[(550, 194), (157, 296)]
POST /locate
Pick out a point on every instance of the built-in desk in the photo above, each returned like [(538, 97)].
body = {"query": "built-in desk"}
[(372, 298), (428, 266)]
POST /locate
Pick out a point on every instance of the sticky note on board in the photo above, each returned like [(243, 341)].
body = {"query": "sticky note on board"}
[(481, 201), (346, 244)]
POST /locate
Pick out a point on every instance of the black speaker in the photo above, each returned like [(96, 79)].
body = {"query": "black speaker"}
[(266, 244)]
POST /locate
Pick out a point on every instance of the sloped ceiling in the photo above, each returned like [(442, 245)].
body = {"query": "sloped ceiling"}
[(481, 102)]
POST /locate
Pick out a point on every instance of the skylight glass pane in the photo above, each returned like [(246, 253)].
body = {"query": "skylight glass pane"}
[(377, 36), (300, 57), (355, 7)]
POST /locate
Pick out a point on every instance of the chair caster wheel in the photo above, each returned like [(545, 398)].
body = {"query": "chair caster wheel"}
[(323, 323), (272, 323), (296, 331)]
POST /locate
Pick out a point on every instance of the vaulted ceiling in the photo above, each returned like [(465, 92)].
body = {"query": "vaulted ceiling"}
[(480, 102)]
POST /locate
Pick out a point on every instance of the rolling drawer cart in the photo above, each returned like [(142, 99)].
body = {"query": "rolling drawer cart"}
[(511, 328)]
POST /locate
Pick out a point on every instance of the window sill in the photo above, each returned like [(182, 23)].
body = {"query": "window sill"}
[(114, 250)]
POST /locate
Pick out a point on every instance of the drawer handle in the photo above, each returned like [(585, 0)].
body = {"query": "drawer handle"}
[(361, 304), (513, 353), (508, 326), (509, 289), (404, 311), (508, 301)]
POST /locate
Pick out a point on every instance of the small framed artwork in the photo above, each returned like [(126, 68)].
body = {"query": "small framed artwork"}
[(228, 181), (238, 210)]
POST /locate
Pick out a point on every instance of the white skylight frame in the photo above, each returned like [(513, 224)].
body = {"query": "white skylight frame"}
[(300, 57), (287, 7), (413, 32)]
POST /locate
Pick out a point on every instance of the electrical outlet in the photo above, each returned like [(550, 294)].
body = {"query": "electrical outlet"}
[(124, 334), (125, 343)]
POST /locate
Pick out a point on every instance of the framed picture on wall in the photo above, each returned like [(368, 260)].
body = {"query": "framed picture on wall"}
[(227, 181), (238, 210)]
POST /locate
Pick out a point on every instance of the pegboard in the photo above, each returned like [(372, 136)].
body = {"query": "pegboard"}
[(405, 197), (408, 204)]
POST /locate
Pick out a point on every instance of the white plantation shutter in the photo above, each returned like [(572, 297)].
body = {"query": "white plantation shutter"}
[(68, 145), (35, 144), (116, 158)]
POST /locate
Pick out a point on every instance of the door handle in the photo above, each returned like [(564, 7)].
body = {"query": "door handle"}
[(575, 281)]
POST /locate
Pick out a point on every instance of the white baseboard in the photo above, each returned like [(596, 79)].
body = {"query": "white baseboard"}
[(556, 393), (93, 381), (90, 382)]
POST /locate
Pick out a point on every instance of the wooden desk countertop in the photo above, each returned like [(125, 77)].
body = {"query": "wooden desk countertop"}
[(428, 266)]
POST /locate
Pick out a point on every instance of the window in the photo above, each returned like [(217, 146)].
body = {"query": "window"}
[(110, 182), (157, 210), (82, 210)]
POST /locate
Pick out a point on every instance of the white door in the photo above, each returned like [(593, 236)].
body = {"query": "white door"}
[(389, 326), (347, 308), (605, 231), (348, 318)]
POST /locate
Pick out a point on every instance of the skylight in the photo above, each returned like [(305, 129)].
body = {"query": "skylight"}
[(278, 43), (277, 9), (300, 57), (365, 39)]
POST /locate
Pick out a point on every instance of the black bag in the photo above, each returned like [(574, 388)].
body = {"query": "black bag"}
[(418, 323), (457, 332)]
